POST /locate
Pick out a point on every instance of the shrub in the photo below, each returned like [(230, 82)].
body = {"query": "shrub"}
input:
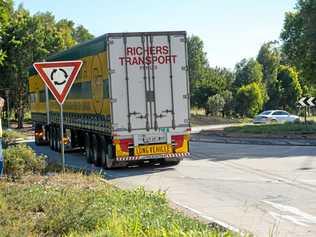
[(215, 104), (250, 99), (20, 160)]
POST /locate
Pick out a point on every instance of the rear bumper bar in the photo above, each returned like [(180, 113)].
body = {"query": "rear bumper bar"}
[(173, 155)]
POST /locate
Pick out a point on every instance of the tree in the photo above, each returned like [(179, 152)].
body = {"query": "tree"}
[(66, 29), (298, 36), (215, 104), (6, 9), (26, 39), (214, 81), (52, 41), (249, 99), (204, 80), (248, 72), (291, 89), (269, 57), (23, 37), (197, 68), (81, 34), (229, 102)]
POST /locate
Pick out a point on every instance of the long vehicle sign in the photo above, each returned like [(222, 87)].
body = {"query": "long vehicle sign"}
[(153, 149)]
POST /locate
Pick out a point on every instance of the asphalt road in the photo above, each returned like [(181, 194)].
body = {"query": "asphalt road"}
[(266, 190)]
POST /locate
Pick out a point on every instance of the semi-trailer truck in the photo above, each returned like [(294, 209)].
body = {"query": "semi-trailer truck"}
[(130, 102)]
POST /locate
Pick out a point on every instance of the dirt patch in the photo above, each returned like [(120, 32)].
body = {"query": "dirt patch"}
[(200, 120)]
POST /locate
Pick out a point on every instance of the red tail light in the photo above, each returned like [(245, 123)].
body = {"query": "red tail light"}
[(124, 143), (177, 140)]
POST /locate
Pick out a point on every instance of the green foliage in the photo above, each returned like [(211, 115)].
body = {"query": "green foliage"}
[(20, 160), (66, 29), (291, 89), (250, 99), (269, 57), (6, 9), (78, 205), (275, 129), (81, 34), (215, 104), (197, 67), (229, 102), (25, 39), (204, 80), (298, 36), (248, 72)]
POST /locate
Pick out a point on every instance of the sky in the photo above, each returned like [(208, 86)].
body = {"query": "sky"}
[(230, 29)]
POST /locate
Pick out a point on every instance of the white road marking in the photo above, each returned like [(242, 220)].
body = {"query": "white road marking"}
[(308, 180), (211, 219), (279, 217), (298, 217)]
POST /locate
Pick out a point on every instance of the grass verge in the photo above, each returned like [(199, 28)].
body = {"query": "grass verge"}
[(73, 204), (279, 129)]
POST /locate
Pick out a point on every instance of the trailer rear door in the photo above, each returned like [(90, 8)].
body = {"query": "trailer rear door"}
[(148, 81)]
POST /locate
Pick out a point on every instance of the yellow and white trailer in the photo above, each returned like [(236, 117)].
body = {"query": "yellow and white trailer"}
[(129, 103)]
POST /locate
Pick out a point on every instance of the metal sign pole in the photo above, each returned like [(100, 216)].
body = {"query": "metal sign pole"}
[(47, 104), (62, 137)]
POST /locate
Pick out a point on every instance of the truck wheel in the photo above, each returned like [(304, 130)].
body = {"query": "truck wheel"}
[(95, 150), (87, 147), (102, 149), (109, 158), (38, 128), (36, 139)]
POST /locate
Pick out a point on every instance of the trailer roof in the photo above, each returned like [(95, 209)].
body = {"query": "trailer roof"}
[(95, 46), (81, 50)]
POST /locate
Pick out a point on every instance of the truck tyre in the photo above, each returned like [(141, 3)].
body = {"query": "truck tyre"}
[(95, 150), (38, 128), (102, 149), (36, 139), (109, 158), (87, 147)]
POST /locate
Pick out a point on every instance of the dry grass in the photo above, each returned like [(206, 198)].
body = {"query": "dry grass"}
[(73, 204)]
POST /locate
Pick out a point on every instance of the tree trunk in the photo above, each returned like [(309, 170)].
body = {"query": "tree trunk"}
[(20, 113)]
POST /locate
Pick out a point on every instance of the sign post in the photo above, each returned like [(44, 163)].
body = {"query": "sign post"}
[(58, 78), (62, 137), (47, 104), (306, 102)]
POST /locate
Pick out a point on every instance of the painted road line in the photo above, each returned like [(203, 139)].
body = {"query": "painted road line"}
[(211, 219), (297, 216), (279, 217)]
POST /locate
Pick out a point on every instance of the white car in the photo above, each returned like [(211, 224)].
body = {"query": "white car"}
[(275, 116)]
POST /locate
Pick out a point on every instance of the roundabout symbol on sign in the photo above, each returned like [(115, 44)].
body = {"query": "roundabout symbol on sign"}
[(56, 82)]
